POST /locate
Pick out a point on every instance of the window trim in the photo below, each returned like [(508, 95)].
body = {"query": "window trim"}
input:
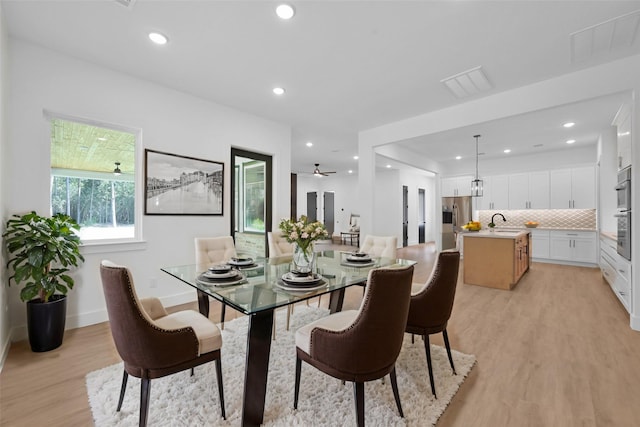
[(138, 176)]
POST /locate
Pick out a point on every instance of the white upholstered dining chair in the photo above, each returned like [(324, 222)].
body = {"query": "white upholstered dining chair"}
[(211, 251), (380, 246)]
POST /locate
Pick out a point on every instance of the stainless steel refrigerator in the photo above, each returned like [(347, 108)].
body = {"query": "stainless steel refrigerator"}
[(456, 212)]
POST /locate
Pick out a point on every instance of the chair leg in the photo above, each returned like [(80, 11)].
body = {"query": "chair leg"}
[(191, 371), (224, 306), (296, 388), (319, 300), (427, 349), (446, 344), (358, 394), (145, 388), (394, 387), (289, 311), (220, 388), (125, 376)]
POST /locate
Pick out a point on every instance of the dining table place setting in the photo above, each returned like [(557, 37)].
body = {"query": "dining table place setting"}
[(302, 281), (357, 259), (221, 275)]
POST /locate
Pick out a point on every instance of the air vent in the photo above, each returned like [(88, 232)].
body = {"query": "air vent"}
[(467, 83), (605, 37), (126, 3)]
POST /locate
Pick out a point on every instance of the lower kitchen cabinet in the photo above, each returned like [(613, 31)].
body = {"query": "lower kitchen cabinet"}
[(575, 246), (540, 244), (616, 271)]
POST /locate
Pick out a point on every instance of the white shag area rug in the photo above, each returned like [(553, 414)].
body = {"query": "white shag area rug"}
[(183, 400)]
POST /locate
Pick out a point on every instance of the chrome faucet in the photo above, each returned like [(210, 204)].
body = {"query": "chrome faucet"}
[(498, 214)]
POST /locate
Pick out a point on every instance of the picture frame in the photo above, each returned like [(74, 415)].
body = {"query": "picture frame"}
[(182, 185)]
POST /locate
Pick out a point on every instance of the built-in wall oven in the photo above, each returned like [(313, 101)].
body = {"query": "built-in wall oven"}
[(623, 190)]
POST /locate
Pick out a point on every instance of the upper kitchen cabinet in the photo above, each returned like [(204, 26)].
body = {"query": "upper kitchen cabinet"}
[(496, 193), (456, 186), (622, 122), (573, 188), (529, 190)]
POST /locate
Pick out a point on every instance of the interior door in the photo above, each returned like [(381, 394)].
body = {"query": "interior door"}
[(328, 207), (421, 215), (251, 211), (312, 206), (405, 216)]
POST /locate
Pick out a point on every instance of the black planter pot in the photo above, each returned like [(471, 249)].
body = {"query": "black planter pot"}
[(45, 322)]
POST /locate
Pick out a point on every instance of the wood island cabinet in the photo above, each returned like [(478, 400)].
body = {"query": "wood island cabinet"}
[(496, 259)]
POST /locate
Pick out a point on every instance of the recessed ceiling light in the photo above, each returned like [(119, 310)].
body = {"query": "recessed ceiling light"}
[(571, 141), (158, 38), (507, 151), (569, 125), (388, 166), (102, 139), (309, 144), (350, 171), (285, 11), (278, 90), (355, 157), (458, 157)]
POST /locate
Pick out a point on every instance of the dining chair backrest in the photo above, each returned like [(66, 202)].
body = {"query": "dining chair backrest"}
[(431, 306), (278, 245), (368, 348), (380, 246), (214, 250)]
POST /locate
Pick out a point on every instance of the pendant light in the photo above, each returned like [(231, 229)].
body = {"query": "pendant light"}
[(476, 184), (117, 170)]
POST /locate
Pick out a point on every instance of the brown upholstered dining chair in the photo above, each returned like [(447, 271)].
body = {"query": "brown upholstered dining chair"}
[(153, 343), (211, 251), (431, 305), (360, 345)]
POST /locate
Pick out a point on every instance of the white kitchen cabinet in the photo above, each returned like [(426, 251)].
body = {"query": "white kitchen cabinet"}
[(575, 246), (496, 193), (540, 244), (622, 122), (573, 188), (616, 271), (456, 186), (529, 190)]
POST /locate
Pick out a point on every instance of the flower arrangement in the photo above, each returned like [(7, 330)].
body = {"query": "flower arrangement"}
[(302, 232)]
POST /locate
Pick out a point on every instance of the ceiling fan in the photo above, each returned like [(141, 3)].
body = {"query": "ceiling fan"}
[(317, 172)]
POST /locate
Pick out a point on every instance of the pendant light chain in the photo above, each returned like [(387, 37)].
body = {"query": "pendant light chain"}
[(476, 184)]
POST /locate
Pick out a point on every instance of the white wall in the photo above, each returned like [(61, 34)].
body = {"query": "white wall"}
[(613, 77), (5, 327), (169, 121), (387, 220), (345, 189)]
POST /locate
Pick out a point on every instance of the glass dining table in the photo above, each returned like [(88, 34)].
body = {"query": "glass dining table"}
[(261, 292)]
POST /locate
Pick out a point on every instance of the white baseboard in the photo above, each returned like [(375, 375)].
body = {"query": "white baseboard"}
[(81, 320)]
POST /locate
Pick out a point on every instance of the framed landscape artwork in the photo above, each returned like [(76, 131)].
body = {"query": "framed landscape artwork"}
[(180, 185)]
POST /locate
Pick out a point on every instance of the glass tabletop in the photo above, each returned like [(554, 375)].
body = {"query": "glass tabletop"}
[(261, 286)]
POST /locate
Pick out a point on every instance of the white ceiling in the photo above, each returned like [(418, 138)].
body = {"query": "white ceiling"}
[(346, 65)]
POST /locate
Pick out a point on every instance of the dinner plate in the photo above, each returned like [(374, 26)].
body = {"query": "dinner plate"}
[(241, 261), (248, 267), (291, 278), (360, 258), (358, 264), (219, 269), (220, 283), (295, 288), (225, 275)]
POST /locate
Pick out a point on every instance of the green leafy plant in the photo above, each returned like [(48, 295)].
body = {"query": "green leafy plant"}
[(42, 250)]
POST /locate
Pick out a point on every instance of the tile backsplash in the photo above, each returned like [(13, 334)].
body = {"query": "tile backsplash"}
[(548, 218)]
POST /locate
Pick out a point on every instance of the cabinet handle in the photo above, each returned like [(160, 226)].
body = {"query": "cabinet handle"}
[(622, 293), (621, 271)]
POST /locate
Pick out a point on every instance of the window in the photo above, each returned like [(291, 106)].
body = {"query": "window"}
[(254, 197), (93, 179)]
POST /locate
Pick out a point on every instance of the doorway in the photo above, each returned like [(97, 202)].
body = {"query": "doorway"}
[(312, 206), (405, 216), (328, 208), (251, 211), (421, 215)]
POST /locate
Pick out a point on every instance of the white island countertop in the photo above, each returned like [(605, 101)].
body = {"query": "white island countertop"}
[(496, 234)]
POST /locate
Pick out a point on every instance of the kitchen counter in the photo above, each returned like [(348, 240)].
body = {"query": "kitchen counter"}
[(497, 234), (496, 259)]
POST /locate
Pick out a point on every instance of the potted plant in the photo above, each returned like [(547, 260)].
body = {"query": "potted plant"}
[(41, 252)]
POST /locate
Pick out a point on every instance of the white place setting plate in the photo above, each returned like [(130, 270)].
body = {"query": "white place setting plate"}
[(296, 288)]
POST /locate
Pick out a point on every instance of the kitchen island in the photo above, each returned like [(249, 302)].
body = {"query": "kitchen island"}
[(496, 259)]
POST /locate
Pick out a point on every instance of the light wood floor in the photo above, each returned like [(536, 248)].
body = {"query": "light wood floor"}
[(555, 351)]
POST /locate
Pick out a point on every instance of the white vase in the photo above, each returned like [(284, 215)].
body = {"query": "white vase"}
[(304, 261)]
